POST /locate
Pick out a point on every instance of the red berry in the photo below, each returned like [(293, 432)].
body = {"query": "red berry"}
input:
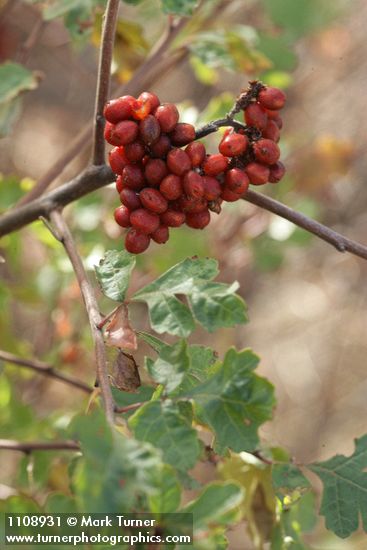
[(198, 220), (193, 185), (173, 218), (117, 159), (134, 151), (152, 98), (155, 171), (182, 134), (161, 147), (266, 151), (119, 184), (178, 162), (167, 116), (144, 221), (272, 114), (133, 177), (271, 131), (215, 164), (272, 98), (256, 116), (109, 135), (228, 195), (118, 109), (189, 204), (237, 181), (149, 130), (136, 241), (197, 153), (212, 188), (153, 200), (161, 234), (171, 187), (125, 132), (122, 216), (130, 199), (257, 173), (233, 145), (277, 171)]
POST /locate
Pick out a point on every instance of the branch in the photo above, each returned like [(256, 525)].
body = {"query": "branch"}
[(341, 243), (104, 78), (91, 179), (28, 447), (91, 307), (45, 369)]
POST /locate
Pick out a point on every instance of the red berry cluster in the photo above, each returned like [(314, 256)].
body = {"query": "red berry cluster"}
[(162, 185)]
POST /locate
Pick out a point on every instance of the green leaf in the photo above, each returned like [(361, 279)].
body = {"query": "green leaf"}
[(179, 7), (217, 504), (214, 305), (14, 79), (170, 367), (165, 426), (114, 471), (345, 490), (289, 483), (234, 401), (279, 51), (113, 273), (167, 500), (156, 343)]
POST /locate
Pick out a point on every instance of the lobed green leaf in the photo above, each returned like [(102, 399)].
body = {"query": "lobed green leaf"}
[(113, 273)]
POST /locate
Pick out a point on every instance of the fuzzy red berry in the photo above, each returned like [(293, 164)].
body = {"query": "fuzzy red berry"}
[(233, 145), (173, 218), (266, 151), (161, 147), (119, 109), (212, 188), (133, 177), (153, 200), (117, 159), (136, 241), (171, 187), (258, 174), (151, 98), (256, 116), (193, 185), (271, 131), (122, 216), (277, 171), (167, 116), (215, 164), (119, 184), (149, 130), (155, 171), (272, 98), (229, 196), (197, 153), (236, 180), (198, 220), (130, 199), (121, 133), (182, 134), (134, 151), (144, 221), (189, 204), (178, 162), (161, 235)]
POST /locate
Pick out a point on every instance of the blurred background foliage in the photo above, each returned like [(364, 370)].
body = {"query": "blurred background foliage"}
[(307, 302)]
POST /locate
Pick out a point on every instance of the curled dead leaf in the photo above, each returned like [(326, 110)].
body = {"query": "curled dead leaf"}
[(125, 374), (119, 333)]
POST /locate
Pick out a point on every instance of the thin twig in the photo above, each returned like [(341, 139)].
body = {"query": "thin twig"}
[(91, 179), (29, 446), (128, 408), (45, 369), (341, 243), (91, 308), (104, 78)]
